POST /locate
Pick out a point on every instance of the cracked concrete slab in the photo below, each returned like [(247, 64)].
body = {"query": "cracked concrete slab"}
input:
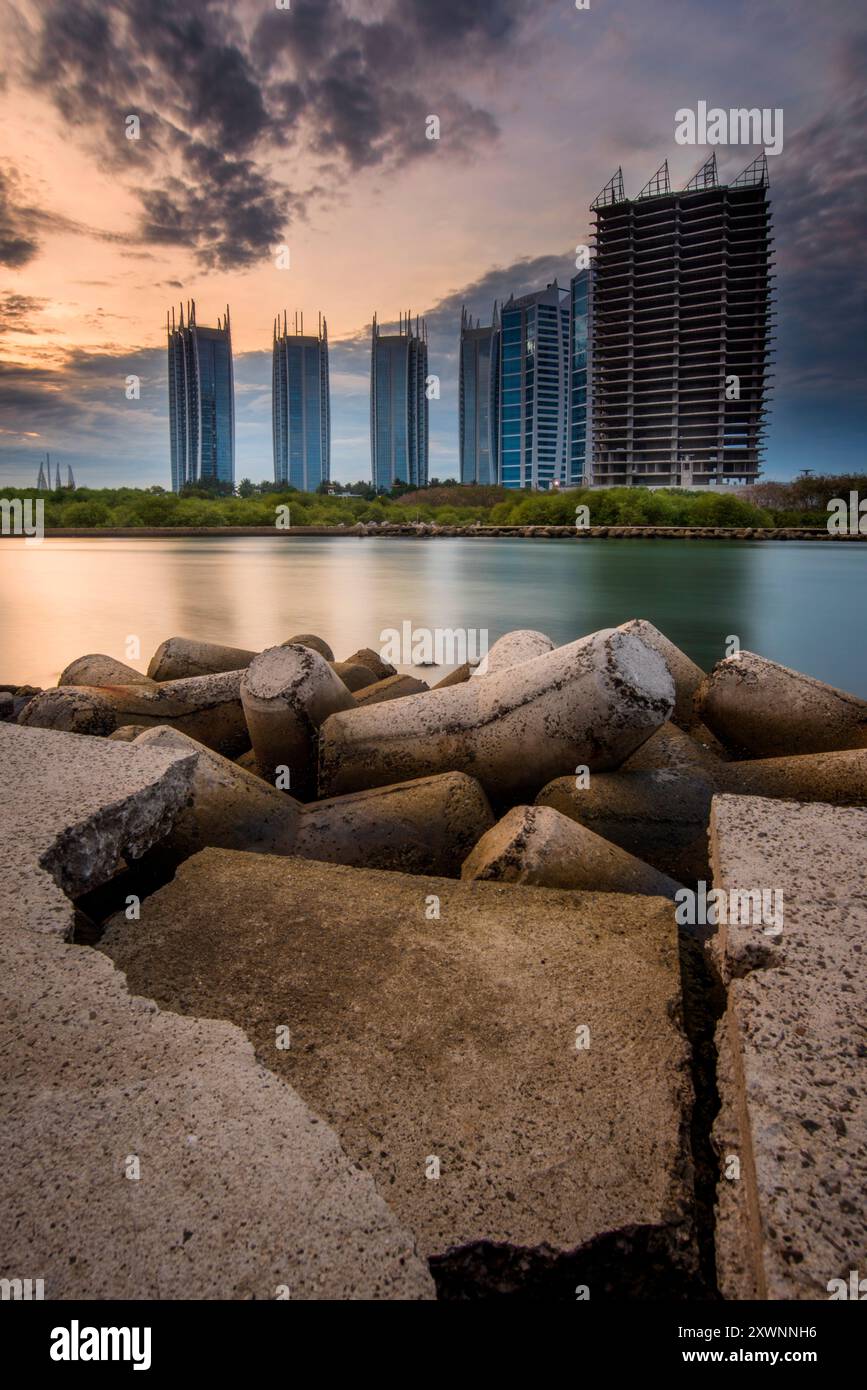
[(436, 1025), (146, 1155)]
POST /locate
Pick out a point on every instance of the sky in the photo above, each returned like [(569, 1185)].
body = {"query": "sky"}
[(305, 127)]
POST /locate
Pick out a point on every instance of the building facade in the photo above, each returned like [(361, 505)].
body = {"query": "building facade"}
[(201, 401), (479, 413), (301, 405), (534, 397), (580, 469), (399, 405), (681, 330)]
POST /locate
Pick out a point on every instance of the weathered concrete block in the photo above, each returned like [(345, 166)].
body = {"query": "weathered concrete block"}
[(366, 656), (791, 1073), (686, 674), (228, 806), (287, 692), (353, 674), (838, 779), (671, 747), (539, 846), (592, 702), (457, 676), (659, 816), (241, 1188), (98, 669), (512, 649), (766, 710), (127, 732), (309, 639), (448, 1044), (392, 688), (208, 708), (422, 827), (178, 658), (72, 807)]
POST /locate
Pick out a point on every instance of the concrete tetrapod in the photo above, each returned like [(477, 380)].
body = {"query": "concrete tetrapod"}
[(537, 845), (592, 702), (98, 669), (765, 710), (426, 826), (208, 708), (511, 649), (686, 675), (287, 692)]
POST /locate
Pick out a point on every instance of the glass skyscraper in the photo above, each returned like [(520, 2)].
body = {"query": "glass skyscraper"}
[(479, 399), (534, 397), (580, 469), (399, 405), (300, 406), (201, 400)]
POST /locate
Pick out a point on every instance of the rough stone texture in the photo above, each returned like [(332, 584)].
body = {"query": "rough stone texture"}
[(765, 710), (98, 669), (686, 675), (71, 808), (392, 688), (366, 656), (659, 816), (422, 827), (242, 1186), (671, 747), (316, 644), (592, 702), (180, 657), (208, 708), (286, 693), (452, 1038), (539, 846), (512, 649), (229, 806), (354, 675), (791, 1072)]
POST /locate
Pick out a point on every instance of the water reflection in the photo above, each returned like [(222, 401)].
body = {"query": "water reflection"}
[(800, 603)]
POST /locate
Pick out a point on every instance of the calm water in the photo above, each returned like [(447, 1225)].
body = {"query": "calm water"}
[(801, 604)]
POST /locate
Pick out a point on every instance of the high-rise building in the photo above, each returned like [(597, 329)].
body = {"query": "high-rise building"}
[(681, 329), (534, 397), (300, 405), (399, 405), (201, 400), (479, 399), (579, 470)]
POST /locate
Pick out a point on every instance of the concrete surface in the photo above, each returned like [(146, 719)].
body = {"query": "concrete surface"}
[(792, 1072), (452, 1038)]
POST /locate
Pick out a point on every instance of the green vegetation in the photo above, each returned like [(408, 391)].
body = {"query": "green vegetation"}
[(799, 503)]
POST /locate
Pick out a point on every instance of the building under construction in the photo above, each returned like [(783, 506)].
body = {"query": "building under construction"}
[(681, 330)]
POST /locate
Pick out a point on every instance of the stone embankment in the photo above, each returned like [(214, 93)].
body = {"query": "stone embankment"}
[(479, 531), (318, 980)]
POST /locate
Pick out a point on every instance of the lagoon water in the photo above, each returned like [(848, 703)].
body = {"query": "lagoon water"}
[(801, 603)]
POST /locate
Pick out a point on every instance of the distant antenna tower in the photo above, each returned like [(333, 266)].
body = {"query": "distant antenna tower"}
[(70, 480), (40, 481), (57, 483)]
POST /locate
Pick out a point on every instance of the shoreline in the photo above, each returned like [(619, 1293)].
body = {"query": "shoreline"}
[(432, 530)]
